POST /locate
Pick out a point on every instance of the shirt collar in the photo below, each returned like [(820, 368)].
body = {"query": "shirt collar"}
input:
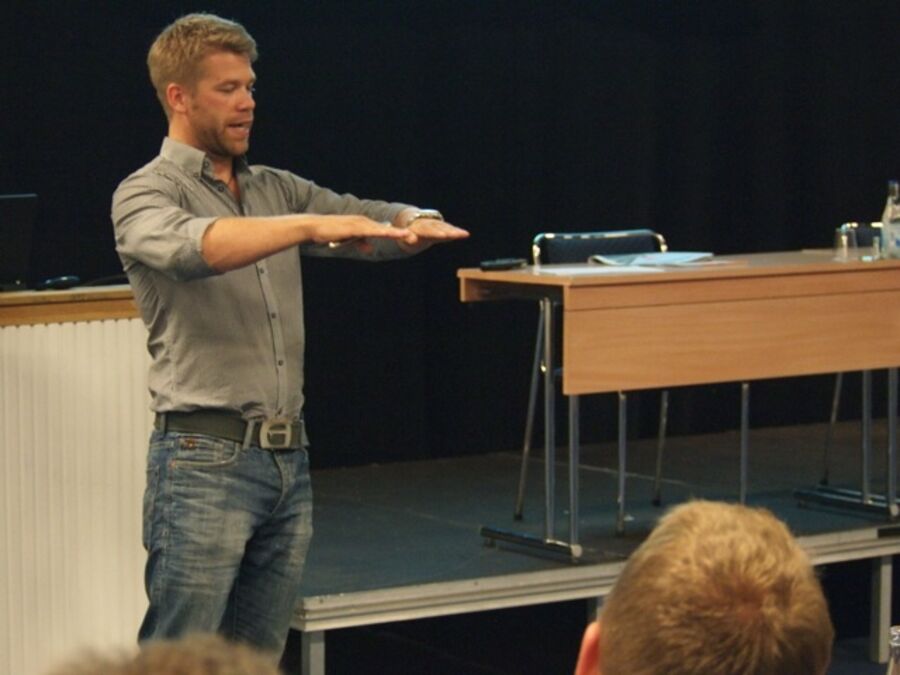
[(192, 160)]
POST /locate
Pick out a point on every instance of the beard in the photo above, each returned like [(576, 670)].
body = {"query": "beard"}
[(217, 143)]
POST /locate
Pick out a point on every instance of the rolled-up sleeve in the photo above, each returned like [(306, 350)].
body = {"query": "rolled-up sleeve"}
[(152, 229)]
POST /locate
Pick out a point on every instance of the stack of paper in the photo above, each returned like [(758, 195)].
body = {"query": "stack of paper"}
[(666, 258)]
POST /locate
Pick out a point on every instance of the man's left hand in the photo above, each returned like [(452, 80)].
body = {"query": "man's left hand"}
[(424, 232)]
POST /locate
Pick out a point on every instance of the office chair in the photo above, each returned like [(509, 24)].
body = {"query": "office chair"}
[(577, 247)]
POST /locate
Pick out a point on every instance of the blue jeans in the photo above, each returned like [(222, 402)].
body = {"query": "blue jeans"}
[(226, 531)]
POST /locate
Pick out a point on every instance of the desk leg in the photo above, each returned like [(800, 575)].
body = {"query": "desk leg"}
[(862, 500), (574, 464), (549, 543), (312, 652), (529, 418), (620, 475), (549, 422), (745, 440), (660, 446), (866, 483), (882, 569), (891, 483)]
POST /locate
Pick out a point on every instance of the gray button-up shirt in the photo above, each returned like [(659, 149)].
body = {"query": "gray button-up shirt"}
[(231, 341)]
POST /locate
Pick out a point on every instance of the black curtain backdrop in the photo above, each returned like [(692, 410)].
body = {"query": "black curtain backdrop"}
[(727, 126)]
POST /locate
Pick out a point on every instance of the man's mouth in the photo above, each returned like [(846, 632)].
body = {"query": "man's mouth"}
[(241, 128)]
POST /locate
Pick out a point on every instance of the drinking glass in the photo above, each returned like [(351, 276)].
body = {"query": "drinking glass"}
[(845, 245)]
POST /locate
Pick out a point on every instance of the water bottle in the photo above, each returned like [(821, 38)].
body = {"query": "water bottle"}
[(890, 223), (894, 659)]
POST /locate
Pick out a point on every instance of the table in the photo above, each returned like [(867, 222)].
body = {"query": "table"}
[(85, 303), (74, 421), (739, 318)]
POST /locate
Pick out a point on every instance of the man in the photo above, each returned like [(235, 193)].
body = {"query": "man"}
[(717, 589), (211, 248)]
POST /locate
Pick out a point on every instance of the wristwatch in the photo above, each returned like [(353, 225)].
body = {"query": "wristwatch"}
[(430, 214)]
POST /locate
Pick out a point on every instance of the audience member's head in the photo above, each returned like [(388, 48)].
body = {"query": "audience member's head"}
[(199, 654), (717, 589)]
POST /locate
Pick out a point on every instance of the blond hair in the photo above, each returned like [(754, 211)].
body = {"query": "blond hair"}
[(198, 654), (176, 53), (718, 589)]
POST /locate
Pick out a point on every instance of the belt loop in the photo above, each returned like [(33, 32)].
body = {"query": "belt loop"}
[(161, 422), (248, 434)]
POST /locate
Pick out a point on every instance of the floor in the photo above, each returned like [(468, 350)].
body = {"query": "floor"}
[(414, 524)]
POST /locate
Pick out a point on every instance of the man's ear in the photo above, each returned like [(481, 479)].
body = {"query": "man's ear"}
[(589, 655), (175, 97)]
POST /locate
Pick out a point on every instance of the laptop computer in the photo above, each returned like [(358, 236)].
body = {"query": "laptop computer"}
[(17, 217)]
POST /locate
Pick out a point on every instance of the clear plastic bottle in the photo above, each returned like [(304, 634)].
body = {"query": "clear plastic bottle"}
[(893, 667), (890, 222)]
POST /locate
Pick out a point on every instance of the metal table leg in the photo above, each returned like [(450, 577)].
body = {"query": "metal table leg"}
[(880, 623), (549, 423), (312, 652), (863, 500), (745, 440), (660, 445), (574, 464), (549, 543), (620, 475), (866, 486), (891, 487), (529, 418)]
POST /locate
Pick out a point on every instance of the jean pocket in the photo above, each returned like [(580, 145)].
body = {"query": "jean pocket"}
[(203, 452)]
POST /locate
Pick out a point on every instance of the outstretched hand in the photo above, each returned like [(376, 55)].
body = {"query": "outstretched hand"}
[(424, 232), (338, 231)]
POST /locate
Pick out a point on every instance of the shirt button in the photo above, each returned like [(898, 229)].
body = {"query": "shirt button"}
[(273, 315), (280, 362), (221, 188)]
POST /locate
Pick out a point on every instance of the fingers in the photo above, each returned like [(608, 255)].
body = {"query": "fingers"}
[(425, 232), (435, 230), (338, 231)]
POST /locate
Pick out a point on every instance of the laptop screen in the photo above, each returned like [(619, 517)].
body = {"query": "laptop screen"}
[(17, 217)]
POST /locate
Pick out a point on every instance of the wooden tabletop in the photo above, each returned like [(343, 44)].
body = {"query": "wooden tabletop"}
[(809, 261), (22, 308)]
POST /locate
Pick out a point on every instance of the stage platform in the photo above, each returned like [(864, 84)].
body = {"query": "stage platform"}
[(398, 542)]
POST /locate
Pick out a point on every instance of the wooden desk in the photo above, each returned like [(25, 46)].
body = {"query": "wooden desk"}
[(26, 308), (74, 422), (747, 317)]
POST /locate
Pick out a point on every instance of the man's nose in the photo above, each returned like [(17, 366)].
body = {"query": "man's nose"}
[(247, 102)]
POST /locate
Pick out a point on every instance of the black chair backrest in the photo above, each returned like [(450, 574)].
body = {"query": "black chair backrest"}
[(865, 232), (550, 248)]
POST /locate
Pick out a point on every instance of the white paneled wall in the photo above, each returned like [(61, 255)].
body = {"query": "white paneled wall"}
[(74, 422)]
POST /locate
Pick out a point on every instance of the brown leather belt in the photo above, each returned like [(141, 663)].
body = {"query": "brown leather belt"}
[(273, 434)]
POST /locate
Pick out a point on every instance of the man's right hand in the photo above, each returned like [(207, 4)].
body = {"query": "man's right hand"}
[(355, 228), (231, 243)]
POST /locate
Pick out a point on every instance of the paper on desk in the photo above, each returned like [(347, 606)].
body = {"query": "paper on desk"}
[(593, 270), (661, 258)]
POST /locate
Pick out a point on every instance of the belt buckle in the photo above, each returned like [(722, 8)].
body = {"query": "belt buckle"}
[(276, 433)]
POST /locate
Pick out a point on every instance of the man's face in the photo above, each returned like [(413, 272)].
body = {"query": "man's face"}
[(220, 105)]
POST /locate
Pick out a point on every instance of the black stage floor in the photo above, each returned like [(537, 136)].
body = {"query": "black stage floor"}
[(390, 540)]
